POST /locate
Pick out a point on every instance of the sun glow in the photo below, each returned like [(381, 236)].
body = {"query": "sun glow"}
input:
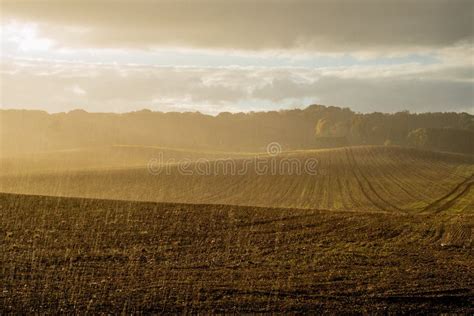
[(25, 36)]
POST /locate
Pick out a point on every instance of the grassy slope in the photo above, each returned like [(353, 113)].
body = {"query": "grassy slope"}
[(387, 179), (76, 255)]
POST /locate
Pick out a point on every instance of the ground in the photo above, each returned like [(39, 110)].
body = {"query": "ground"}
[(77, 255)]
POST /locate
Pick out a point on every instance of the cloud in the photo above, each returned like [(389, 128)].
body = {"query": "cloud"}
[(378, 95), (25, 37), (61, 86), (77, 90), (324, 25)]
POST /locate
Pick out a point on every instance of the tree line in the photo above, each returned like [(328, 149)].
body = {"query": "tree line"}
[(316, 126)]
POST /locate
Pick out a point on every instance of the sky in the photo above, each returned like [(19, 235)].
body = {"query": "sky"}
[(234, 55)]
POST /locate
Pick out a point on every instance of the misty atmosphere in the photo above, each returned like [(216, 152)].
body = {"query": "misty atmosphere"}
[(208, 157)]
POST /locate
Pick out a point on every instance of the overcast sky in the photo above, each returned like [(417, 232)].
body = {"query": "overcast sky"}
[(213, 56)]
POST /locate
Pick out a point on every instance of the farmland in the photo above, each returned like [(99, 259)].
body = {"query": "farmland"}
[(85, 255), (374, 229), (366, 178), (207, 157)]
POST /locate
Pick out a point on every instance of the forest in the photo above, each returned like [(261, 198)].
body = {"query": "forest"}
[(317, 126)]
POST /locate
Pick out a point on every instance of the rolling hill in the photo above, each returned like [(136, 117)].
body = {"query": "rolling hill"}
[(103, 157), (383, 229), (367, 178)]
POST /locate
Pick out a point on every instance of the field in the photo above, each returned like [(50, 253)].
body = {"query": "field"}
[(374, 230), (76, 255), (103, 157), (390, 179)]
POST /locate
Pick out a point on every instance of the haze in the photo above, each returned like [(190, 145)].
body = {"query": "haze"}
[(237, 156)]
